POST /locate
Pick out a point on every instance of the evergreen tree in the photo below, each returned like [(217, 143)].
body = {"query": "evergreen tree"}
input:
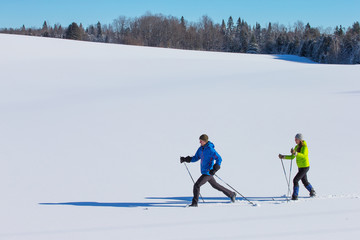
[(258, 32), (45, 27), (82, 33), (244, 37), (253, 45), (61, 31), (182, 23), (356, 28), (99, 32), (269, 40), (230, 38), (230, 26), (237, 36), (183, 34), (311, 33), (44, 30), (339, 31), (73, 32), (23, 30)]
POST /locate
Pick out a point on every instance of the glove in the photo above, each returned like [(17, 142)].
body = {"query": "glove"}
[(216, 168), (293, 152), (281, 156), (185, 159)]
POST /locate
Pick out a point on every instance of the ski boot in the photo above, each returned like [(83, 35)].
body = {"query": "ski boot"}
[(233, 198), (193, 204), (294, 197), (295, 193), (311, 190)]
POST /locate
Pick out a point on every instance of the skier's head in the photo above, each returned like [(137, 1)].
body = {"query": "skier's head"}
[(298, 138), (203, 139)]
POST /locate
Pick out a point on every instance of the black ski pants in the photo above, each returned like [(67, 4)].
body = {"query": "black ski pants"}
[(301, 175), (204, 179)]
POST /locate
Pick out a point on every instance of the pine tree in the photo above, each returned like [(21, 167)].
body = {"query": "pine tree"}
[(45, 27), (82, 33), (23, 30), (230, 38), (258, 32), (99, 32), (73, 32), (339, 31), (182, 23), (244, 37), (183, 34), (253, 45), (230, 26), (356, 28), (269, 40), (44, 30)]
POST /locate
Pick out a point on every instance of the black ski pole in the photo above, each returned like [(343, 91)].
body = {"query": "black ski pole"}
[(282, 163), (236, 191), (193, 180)]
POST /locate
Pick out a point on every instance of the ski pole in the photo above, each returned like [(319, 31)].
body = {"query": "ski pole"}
[(290, 176), (236, 191), (193, 180), (282, 163)]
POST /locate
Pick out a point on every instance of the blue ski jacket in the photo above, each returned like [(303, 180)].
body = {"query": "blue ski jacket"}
[(208, 156)]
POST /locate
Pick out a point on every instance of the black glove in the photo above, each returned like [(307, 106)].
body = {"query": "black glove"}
[(292, 151), (216, 168), (185, 159), (281, 156)]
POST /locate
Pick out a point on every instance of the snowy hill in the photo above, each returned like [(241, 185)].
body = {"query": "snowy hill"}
[(91, 136)]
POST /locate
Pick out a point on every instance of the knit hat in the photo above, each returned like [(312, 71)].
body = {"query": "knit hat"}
[(299, 136), (204, 137)]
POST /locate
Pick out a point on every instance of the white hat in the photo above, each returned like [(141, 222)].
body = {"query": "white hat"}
[(299, 136)]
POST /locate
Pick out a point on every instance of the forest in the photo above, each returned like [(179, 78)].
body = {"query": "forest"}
[(334, 46)]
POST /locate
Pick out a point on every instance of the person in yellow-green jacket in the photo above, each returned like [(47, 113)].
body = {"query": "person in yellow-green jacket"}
[(302, 161)]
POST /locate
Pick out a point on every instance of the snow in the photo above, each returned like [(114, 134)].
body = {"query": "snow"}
[(91, 136)]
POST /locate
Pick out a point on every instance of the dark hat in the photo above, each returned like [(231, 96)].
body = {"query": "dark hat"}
[(204, 137)]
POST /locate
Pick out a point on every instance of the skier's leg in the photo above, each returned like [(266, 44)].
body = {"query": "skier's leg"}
[(308, 185), (304, 179), (296, 180), (201, 181), (218, 187)]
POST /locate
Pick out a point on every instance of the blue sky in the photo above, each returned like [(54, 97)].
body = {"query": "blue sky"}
[(319, 13)]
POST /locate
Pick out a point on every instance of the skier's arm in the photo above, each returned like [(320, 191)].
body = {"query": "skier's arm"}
[(304, 153), (217, 158), (216, 166), (289, 157), (196, 157), (292, 156)]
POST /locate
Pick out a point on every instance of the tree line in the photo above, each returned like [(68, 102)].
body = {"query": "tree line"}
[(340, 46)]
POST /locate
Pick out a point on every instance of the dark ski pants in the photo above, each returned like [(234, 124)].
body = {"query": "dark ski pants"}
[(301, 175), (204, 179)]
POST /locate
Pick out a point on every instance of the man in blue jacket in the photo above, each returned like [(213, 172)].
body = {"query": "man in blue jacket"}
[(210, 164)]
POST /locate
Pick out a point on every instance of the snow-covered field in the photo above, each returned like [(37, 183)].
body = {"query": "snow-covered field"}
[(91, 135)]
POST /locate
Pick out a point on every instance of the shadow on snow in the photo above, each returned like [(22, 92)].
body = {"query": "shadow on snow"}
[(294, 58), (166, 202)]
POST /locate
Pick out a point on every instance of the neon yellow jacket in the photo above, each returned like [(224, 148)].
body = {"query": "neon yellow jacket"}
[(302, 159)]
